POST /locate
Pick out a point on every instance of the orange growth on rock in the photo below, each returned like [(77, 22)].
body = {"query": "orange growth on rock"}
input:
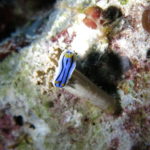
[(94, 12), (90, 23), (146, 20)]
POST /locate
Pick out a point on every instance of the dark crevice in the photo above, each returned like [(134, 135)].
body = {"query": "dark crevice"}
[(16, 13), (19, 120)]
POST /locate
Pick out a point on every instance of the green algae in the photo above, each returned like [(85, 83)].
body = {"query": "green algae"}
[(8, 68), (34, 98), (8, 71), (123, 2), (24, 145)]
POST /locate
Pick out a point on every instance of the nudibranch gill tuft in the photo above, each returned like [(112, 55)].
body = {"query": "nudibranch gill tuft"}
[(66, 66)]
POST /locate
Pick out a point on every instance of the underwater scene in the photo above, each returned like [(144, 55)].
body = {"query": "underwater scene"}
[(75, 75)]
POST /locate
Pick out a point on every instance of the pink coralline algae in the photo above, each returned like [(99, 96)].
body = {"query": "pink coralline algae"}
[(6, 49), (137, 123), (138, 67), (114, 144), (67, 38), (7, 126), (60, 106), (138, 75), (69, 98), (12, 45)]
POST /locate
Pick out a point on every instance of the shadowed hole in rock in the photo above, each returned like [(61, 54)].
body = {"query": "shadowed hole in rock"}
[(148, 53), (32, 126), (19, 120), (16, 13), (6, 131)]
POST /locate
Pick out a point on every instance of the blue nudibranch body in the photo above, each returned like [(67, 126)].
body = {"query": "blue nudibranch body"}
[(66, 66)]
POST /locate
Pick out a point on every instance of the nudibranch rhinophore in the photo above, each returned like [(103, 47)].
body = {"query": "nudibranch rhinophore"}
[(66, 66)]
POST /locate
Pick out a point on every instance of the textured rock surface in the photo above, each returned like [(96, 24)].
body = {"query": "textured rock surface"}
[(36, 115)]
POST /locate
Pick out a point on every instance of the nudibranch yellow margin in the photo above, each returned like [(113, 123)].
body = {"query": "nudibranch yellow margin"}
[(66, 66)]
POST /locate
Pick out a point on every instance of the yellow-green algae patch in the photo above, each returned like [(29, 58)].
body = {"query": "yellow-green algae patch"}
[(123, 2)]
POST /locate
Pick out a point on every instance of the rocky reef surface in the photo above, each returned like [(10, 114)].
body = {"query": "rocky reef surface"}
[(112, 51)]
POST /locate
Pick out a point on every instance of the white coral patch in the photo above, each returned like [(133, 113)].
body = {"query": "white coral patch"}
[(84, 39), (72, 116)]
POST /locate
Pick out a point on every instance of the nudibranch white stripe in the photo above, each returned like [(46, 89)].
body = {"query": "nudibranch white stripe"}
[(66, 66)]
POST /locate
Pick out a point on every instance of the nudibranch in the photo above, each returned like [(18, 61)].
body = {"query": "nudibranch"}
[(66, 66)]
